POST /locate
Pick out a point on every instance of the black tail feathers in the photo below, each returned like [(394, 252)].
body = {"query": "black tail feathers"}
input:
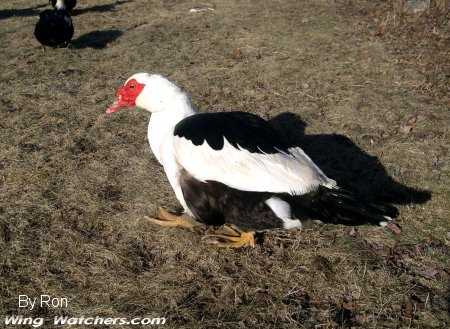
[(339, 206)]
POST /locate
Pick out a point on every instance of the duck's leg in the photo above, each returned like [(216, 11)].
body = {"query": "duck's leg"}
[(169, 220), (231, 237)]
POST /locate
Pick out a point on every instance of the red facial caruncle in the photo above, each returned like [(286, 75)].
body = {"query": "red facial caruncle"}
[(126, 96)]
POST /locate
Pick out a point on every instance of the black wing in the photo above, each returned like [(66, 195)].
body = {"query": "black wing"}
[(247, 130)]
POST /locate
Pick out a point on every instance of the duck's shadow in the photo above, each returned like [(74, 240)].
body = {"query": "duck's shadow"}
[(22, 12), (96, 39), (343, 161), (99, 8)]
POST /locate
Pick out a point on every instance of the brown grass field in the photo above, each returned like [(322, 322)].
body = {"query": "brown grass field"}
[(360, 86)]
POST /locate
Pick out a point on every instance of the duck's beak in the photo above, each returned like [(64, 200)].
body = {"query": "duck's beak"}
[(118, 103)]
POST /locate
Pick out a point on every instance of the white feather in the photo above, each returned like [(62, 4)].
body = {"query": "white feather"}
[(172, 169), (168, 105), (60, 4), (282, 210), (385, 223), (292, 173)]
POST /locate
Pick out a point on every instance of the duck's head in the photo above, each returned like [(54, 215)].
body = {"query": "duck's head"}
[(151, 92)]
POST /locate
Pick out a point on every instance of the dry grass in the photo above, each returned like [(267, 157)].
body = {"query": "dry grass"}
[(76, 183)]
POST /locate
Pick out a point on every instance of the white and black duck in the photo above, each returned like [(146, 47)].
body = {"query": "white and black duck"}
[(54, 28), (234, 168)]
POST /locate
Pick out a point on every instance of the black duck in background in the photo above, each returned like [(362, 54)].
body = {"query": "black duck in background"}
[(63, 4), (54, 28)]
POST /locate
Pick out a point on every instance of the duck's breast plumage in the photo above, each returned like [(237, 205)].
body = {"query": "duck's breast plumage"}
[(54, 28)]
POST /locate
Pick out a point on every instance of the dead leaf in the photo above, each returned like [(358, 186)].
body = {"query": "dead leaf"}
[(427, 273), (335, 45), (407, 309), (406, 117), (264, 256), (237, 54), (412, 120), (352, 232), (405, 249), (155, 254), (394, 228), (280, 251), (379, 249), (421, 117), (405, 129), (261, 296), (305, 20), (21, 61)]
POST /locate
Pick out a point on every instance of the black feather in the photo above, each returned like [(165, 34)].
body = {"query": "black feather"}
[(247, 130), (54, 28), (214, 203), (339, 206)]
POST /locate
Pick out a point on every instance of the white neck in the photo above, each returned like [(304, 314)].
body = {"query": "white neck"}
[(162, 123)]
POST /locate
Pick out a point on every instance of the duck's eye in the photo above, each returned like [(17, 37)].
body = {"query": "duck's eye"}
[(131, 86)]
